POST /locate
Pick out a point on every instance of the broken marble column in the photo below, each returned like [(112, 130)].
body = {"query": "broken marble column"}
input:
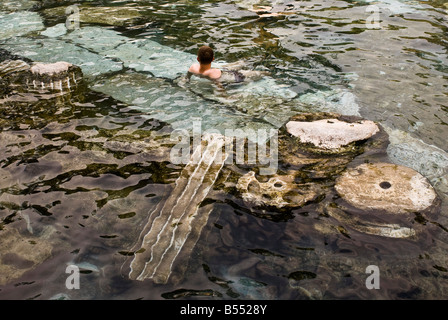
[(22, 81), (176, 222), (326, 142), (384, 199), (331, 134), (314, 149), (280, 191), (61, 76), (386, 187), (9, 67)]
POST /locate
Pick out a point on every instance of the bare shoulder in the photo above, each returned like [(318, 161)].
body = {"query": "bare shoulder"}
[(194, 68), (214, 74)]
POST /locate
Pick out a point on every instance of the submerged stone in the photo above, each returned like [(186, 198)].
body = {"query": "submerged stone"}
[(150, 56), (22, 253), (50, 68), (9, 67), (28, 82), (16, 5), (55, 31), (141, 55), (279, 191), (373, 225), (98, 50), (50, 50), (95, 39), (258, 95), (339, 101), (173, 104), (175, 224), (327, 133), (19, 23), (112, 16), (306, 170), (387, 187), (428, 160)]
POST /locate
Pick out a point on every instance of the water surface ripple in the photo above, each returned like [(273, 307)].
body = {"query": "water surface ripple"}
[(80, 172)]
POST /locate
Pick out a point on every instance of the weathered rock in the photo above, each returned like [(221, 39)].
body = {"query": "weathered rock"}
[(386, 187), (19, 253), (373, 226), (279, 191), (50, 68), (314, 161), (43, 79), (331, 133), (11, 66), (306, 171)]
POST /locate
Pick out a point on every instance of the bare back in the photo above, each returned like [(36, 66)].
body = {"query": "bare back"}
[(210, 73)]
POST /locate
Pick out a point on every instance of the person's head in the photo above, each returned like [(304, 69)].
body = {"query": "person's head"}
[(205, 55)]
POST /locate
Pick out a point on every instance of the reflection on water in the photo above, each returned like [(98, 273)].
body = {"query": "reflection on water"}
[(81, 169)]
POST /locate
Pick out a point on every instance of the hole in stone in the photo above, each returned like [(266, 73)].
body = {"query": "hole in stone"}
[(253, 186), (385, 185), (266, 197), (278, 185)]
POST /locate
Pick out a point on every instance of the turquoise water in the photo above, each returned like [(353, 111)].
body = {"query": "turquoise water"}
[(81, 172)]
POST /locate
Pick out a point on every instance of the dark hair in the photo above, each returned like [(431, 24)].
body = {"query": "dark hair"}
[(205, 54)]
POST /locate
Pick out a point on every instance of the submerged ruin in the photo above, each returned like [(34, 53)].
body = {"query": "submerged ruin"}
[(337, 161)]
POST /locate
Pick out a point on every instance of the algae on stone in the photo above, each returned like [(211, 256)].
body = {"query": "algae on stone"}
[(279, 191), (19, 23), (17, 5), (111, 16), (22, 253)]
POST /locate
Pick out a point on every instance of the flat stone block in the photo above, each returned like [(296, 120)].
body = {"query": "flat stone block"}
[(384, 186), (331, 133)]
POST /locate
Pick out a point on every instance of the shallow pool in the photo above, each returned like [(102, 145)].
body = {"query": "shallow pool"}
[(84, 174)]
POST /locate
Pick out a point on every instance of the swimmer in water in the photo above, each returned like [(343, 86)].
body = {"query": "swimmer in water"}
[(204, 68)]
